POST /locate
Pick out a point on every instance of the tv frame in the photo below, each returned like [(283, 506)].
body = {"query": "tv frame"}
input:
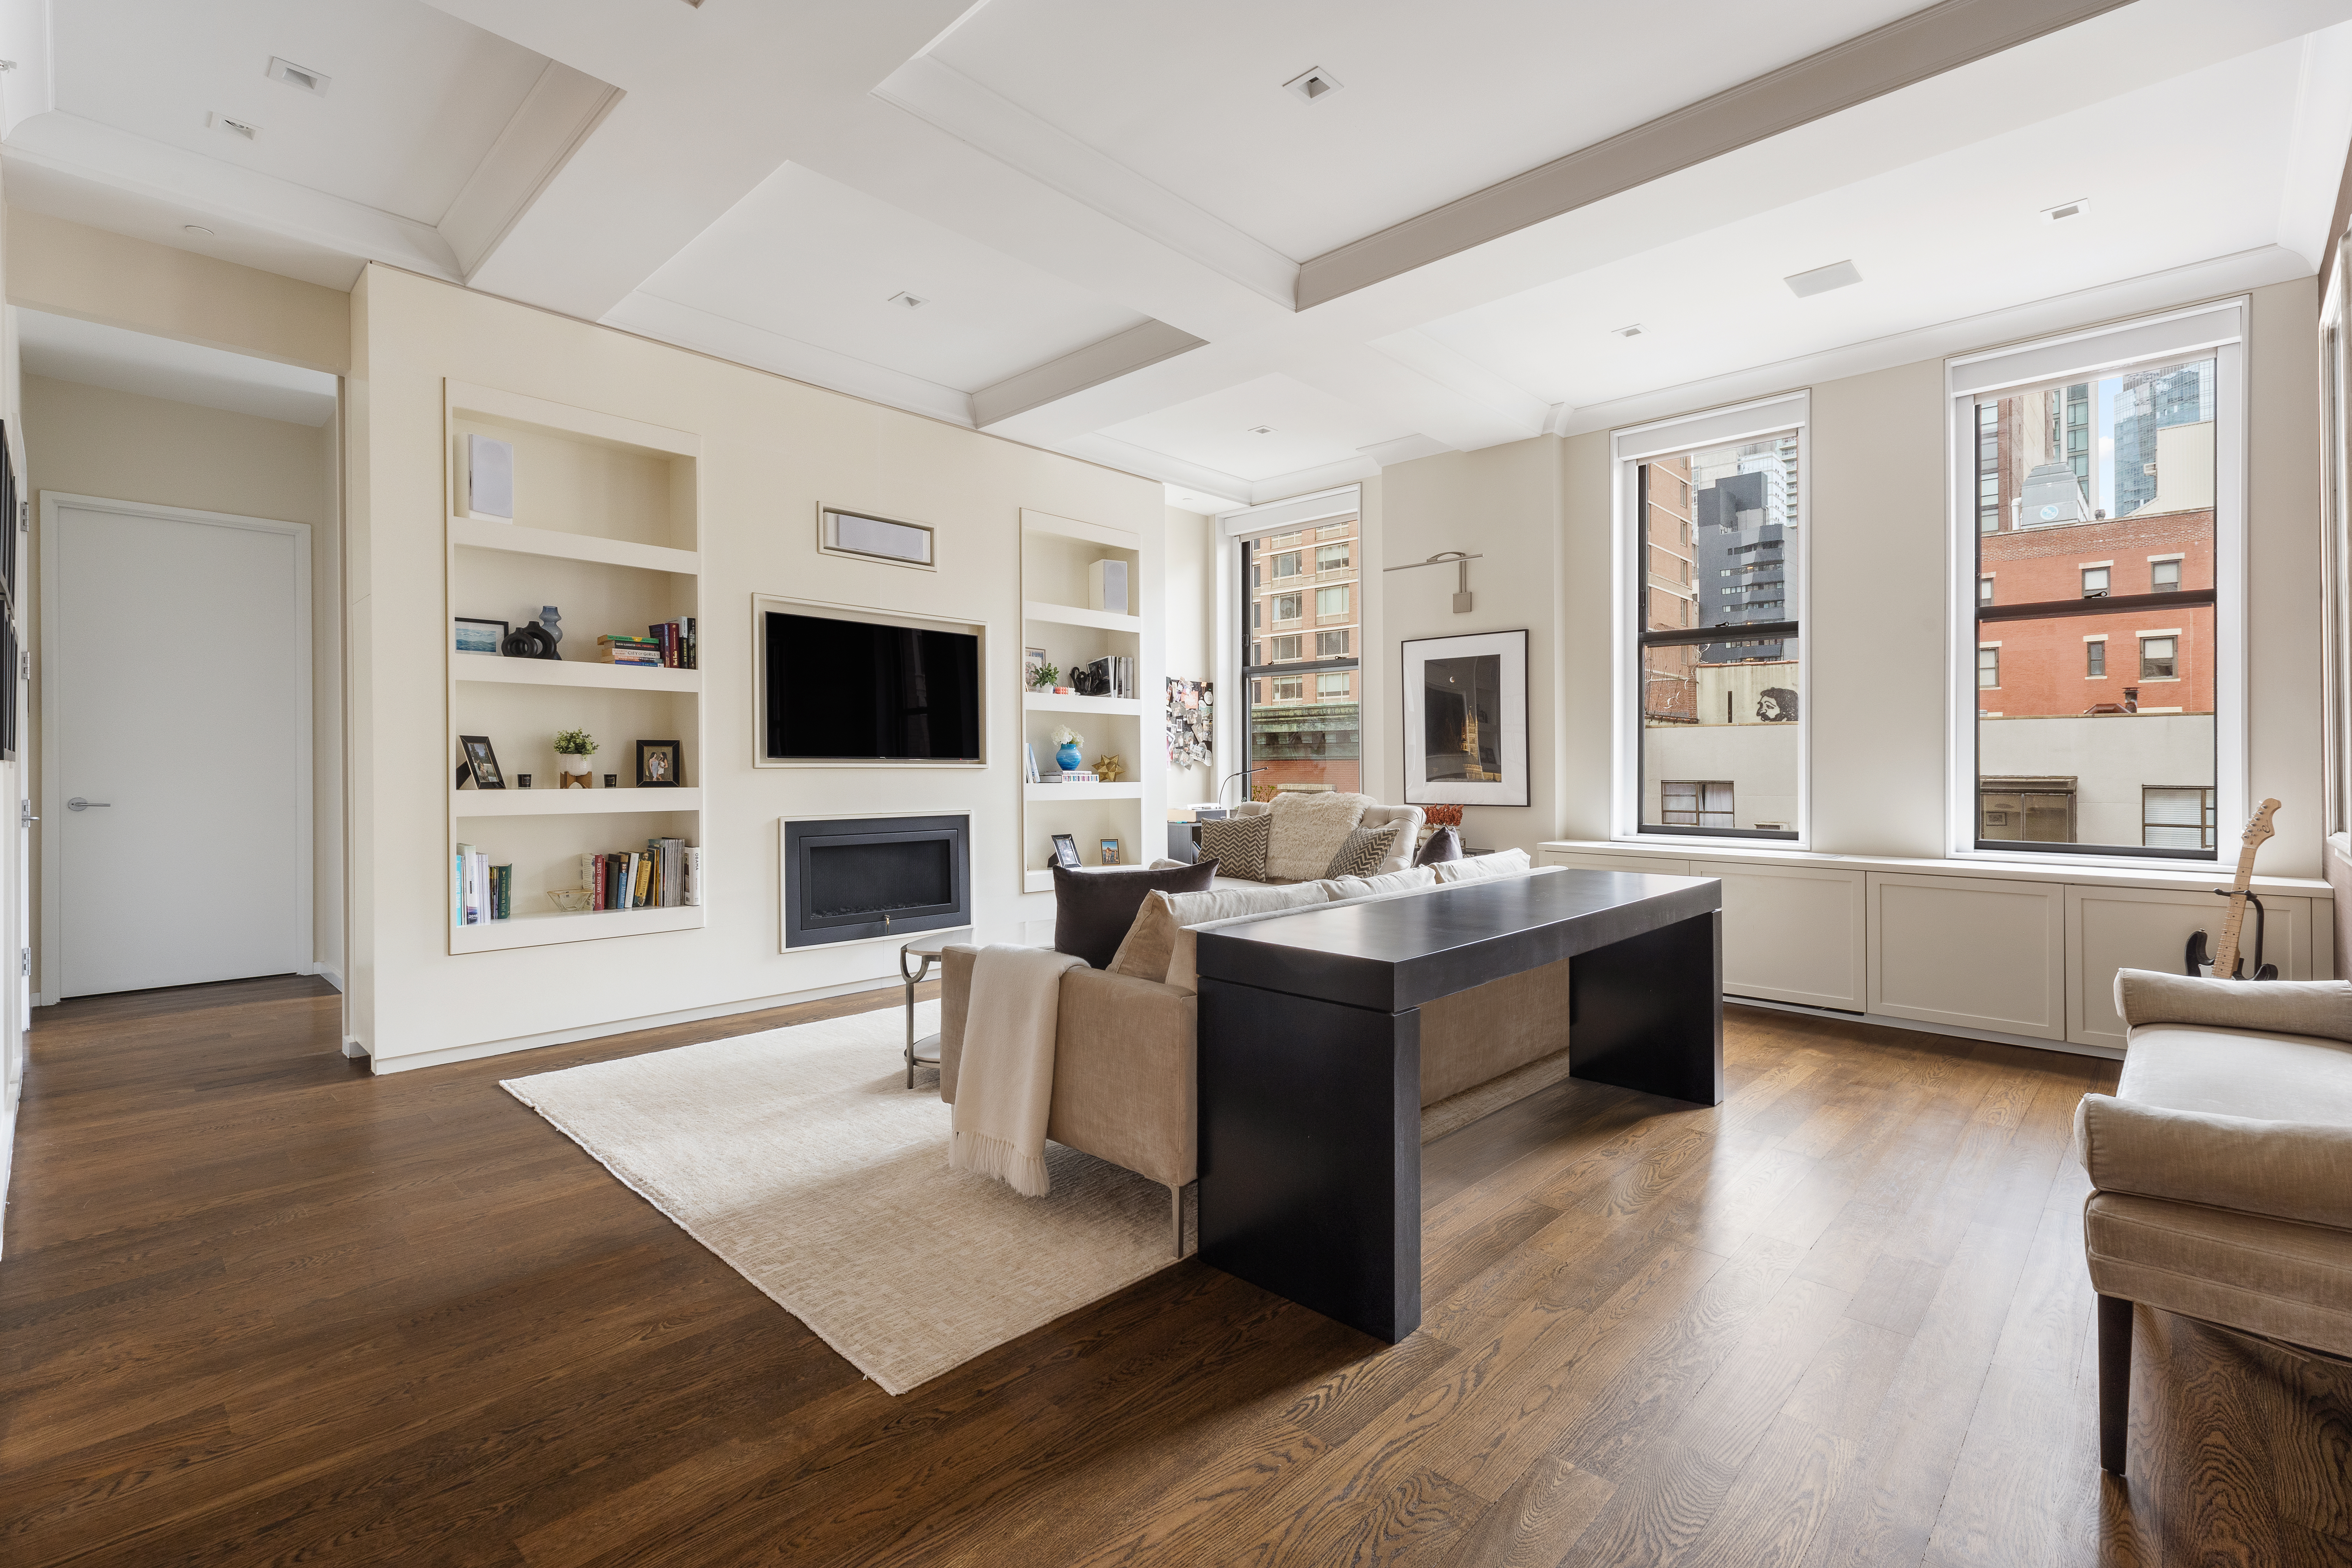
[(860, 615)]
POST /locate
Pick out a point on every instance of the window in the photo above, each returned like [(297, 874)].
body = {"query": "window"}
[(1698, 802), (2177, 817), (2135, 458), (1714, 670), (1984, 590), (1302, 728)]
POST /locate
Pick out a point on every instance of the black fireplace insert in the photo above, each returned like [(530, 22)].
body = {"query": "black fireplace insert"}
[(846, 879)]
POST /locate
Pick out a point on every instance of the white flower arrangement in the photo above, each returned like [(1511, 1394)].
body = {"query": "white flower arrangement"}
[(1066, 736)]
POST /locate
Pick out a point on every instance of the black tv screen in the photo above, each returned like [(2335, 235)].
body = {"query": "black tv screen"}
[(855, 689)]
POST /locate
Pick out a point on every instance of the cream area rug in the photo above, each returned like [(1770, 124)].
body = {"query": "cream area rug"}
[(803, 1160)]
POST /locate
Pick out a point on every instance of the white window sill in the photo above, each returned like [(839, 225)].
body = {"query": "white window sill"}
[(2085, 870)]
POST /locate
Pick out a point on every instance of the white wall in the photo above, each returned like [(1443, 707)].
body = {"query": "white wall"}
[(770, 449), (2109, 758), (1188, 589), (93, 441)]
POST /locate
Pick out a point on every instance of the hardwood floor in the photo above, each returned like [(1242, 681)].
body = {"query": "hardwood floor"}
[(260, 1307)]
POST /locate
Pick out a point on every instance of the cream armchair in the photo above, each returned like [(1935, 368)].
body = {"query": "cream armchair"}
[(2220, 1169)]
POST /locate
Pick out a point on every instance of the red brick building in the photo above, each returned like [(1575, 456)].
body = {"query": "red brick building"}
[(2078, 663)]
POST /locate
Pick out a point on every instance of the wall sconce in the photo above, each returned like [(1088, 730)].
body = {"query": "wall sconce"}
[(1457, 558)]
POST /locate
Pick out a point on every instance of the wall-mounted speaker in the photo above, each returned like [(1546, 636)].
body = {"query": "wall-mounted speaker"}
[(1106, 587)]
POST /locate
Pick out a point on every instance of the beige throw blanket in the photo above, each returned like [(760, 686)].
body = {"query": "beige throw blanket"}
[(1005, 1088)]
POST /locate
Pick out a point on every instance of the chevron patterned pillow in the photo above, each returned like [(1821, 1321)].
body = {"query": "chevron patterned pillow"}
[(1237, 844), (1364, 850)]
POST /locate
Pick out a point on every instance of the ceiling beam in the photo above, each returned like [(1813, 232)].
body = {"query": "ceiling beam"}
[(1121, 354), (1926, 44)]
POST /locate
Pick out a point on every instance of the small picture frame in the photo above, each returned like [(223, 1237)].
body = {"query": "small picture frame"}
[(477, 634), (1065, 852), (1110, 852), (659, 766), (1033, 659), (481, 763)]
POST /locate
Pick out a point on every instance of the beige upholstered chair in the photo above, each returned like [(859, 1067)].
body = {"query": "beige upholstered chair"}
[(2220, 1169)]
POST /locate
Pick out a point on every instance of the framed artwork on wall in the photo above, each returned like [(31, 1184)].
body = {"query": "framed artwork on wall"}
[(1465, 719)]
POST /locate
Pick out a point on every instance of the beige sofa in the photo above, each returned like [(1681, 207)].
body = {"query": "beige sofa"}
[(1124, 1061), (1375, 816), (2220, 1169)]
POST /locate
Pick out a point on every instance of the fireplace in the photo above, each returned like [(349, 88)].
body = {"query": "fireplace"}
[(850, 878)]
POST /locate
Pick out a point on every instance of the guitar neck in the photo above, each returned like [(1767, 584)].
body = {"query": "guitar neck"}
[(2225, 954)]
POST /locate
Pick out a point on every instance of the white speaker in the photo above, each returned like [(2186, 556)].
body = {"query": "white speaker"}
[(1106, 587), (489, 478)]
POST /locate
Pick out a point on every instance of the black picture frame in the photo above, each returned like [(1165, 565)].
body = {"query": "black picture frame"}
[(664, 756), (457, 623), (1065, 852), (481, 763)]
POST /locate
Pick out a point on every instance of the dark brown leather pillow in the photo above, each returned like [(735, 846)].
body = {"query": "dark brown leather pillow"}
[(1092, 909), (1444, 845)]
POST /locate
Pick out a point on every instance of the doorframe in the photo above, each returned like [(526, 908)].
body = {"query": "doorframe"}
[(305, 656)]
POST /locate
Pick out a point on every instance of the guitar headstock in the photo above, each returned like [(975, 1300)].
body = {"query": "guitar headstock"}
[(2259, 828)]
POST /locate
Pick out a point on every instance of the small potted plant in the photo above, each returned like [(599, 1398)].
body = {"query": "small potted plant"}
[(572, 750), (1070, 757), (1042, 677)]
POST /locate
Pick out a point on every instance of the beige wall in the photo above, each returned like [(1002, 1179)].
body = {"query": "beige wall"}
[(770, 449), (74, 271), (1540, 511), (116, 446), (1188, 587)]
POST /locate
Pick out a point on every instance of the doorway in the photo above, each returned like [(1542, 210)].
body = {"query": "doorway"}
[(176, 756)]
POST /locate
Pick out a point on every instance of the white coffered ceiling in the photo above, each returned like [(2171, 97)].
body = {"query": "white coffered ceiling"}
[(1134, 244)]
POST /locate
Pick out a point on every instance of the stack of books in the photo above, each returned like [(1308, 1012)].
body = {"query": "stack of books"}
[(665, 874), (676, 640), (480, 891), (1076, 776), (630, 650)]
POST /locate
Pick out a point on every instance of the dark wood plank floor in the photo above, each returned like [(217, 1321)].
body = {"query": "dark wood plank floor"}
[(258, 1307)]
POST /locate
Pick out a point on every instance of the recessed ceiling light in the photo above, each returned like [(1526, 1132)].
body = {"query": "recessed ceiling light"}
[(2064, 210), (1312, 85), (222, 122), (1822, 279), (196, 228), (906, 301), (1259, 430), (293, 75), (1634, 330)]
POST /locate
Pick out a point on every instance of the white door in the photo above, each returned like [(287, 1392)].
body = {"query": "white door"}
[(176, 788)]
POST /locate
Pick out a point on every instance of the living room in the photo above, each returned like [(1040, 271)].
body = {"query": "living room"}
[(1395, 797)]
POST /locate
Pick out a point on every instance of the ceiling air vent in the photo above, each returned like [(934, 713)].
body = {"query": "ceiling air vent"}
[(1317, 83), (2064, 210), (222, 122), (1822, 279), (293, 75)]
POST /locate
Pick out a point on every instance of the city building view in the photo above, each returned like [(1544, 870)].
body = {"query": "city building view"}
[(1300, 634), (1721, 715), (2094, 612)]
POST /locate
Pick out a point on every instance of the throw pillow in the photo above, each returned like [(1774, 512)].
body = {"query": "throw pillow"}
[(1186, 910), (1238, 843), (1092, 909), (1362, 851), (1444, 844), (1486, 868), (1309, 830)]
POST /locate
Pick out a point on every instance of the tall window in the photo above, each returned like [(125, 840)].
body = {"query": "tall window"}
[(1720, 682), (2114, 524), (1302, 725)]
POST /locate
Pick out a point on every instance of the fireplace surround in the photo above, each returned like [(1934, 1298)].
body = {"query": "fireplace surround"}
[(854, 879)]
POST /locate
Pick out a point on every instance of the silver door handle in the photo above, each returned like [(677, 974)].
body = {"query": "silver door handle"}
[(78, 804)]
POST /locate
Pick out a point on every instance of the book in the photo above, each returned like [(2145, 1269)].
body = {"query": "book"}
[(1029, 761), (694, 874), (688, 644)]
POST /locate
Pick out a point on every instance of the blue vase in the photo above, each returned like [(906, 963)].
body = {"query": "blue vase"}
[(1069, 759)]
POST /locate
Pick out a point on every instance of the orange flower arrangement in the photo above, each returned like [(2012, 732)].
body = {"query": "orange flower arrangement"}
[(1443, 816)]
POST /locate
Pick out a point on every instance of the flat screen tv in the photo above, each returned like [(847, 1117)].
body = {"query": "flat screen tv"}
[(856, 690)]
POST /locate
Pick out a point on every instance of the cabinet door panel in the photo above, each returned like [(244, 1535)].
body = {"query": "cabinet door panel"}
[(2109, 928), (1791, 933), (1973, 953)]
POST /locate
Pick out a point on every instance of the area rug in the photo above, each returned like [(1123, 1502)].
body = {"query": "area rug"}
[(803, 1160)]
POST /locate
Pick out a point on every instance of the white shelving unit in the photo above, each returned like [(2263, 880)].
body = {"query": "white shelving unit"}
[(608, 530), (1054, 555)]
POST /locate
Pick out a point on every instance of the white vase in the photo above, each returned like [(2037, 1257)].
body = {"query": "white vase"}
[(572, 765)]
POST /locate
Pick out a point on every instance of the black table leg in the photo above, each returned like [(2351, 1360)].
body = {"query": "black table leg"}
[(1310, 1152), (1647, 1013)]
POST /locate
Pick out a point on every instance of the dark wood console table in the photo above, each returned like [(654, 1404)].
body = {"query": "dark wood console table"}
[(1310, 1059)]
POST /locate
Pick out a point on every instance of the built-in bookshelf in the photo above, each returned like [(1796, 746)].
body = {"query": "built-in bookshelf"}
[(607, 529), (1057, 616)]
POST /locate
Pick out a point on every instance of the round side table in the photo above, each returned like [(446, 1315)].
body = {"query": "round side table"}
[(924, 950)]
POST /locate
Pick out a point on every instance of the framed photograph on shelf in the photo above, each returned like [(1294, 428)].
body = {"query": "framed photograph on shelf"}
[(1033, 659), (657, 765), (1110, 856), (481, 763), (1065, 852), (1465, 719), (474, 634)]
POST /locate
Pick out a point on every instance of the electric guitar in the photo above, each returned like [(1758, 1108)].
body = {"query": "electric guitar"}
[(2225, 960)]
